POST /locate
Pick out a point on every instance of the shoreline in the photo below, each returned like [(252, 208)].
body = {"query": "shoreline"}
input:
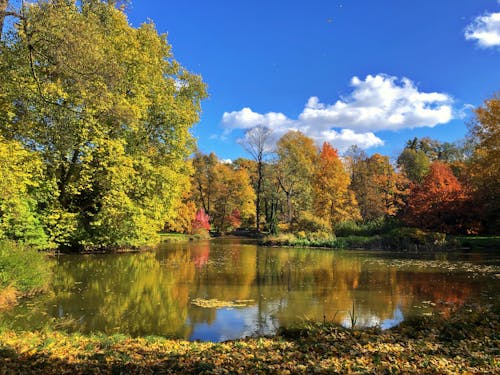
[(467, 341)]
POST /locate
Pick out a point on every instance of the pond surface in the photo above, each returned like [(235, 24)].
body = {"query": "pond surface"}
[(230, 288)]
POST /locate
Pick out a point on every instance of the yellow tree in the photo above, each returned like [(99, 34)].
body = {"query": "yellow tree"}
[(234, 198), (485, 166), (333, 201), (297, 156), (108, 109)]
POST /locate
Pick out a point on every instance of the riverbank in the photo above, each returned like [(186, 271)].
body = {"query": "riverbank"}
[(401, 239), (467, 342)]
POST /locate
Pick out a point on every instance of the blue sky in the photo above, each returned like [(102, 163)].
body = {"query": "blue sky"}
[(371, 72)]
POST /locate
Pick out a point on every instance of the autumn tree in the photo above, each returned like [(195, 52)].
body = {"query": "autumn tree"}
[(234, 198), (295, 166), (21, 185), (332, 199), (185, 215), (438, 202), (225, 190), (379, 189), (257, 143), (109, 111), (485, 163), (204, 179)]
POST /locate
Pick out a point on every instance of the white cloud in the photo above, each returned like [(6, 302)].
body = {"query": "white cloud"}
[(376, 103), (485, 30)]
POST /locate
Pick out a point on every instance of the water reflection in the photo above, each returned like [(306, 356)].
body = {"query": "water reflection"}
[(152, 293)]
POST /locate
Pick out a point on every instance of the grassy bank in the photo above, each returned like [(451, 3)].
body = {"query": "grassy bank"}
[(23, 271), (179, 237), (468, 342), (406, 239)]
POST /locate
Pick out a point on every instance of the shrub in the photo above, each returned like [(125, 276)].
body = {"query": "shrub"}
[(309, 222)]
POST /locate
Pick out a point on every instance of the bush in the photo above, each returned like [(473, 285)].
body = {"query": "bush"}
[(22, 267), (309, 222), (414, 239), (370, 228)]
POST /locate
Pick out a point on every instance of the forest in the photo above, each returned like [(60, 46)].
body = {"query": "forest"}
[(97, 153)]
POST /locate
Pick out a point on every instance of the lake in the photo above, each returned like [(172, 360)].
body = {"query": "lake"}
[(231, 288)]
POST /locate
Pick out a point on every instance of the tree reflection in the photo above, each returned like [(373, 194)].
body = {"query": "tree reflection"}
[(151, 293)]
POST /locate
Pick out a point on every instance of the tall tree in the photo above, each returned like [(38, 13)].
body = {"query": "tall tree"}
[(333, 201), (234, 198), (257, 143), (378, 188), (485, 165), (109, 110), (204, 179), (297, 156)]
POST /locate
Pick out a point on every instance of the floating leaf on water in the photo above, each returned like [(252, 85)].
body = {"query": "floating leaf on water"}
[(216, 304)]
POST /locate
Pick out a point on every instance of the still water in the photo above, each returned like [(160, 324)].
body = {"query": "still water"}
[(230, 288)]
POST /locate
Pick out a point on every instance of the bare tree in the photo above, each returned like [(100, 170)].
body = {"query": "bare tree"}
[(257, 143)]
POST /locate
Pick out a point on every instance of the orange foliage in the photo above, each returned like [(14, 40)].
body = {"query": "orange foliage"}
[(439, 202), (331, 196)]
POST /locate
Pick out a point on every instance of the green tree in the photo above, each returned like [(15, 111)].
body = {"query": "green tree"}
[(415, 164), (109, 111)]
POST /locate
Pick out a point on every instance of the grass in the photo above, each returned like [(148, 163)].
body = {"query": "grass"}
[(312, 240), (22, 268), (467, 342)]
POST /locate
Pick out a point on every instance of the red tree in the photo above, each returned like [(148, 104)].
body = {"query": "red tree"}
[(439, 202), (201, 221)]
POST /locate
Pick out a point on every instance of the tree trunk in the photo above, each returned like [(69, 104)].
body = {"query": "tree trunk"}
[(259, 187)]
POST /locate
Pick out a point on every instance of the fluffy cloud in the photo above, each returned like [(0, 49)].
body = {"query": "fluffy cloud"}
[(376, 103), (485, 30)]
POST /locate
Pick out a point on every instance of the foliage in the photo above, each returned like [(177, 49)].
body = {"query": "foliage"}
[(20, 175), (296, 159), (184, 216), (373, 227), (109, 110), (201, 221), (309, 222), (23, 268), (464, 343), (439, 202), (415, 164), (380, 191), (414, 239), (332, 200), (221, 189), (485, 166)]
